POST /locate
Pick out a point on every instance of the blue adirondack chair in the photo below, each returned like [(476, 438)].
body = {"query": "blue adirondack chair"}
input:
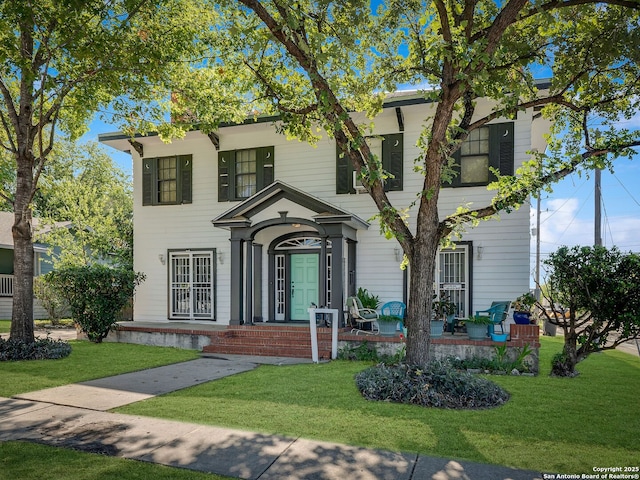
[(497, 312)]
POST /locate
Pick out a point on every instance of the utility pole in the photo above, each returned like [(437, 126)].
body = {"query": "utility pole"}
[(537, 292), (598, 214)]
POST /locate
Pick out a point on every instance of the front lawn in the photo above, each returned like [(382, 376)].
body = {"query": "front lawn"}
[(64, 464), (556, 425), (86, 362), (550, 424)]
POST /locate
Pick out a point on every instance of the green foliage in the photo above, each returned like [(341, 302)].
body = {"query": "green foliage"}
[(368, 300), (435, 385), (443, 307), (63, 61), (500, 363), (50, 299), (82, 187), (363, 352), (479, 320), (367, 352), (524, 303), (95, 294), (312, 63), (389, 319), (600, 288), (40, 349)]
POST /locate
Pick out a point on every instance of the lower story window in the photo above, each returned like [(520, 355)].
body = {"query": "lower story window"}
[(453, 277), (192, 284)]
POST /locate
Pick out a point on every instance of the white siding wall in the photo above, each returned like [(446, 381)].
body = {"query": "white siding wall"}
[(501, 273)]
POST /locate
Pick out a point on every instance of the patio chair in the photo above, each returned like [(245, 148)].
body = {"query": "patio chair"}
[(394, 309), (497, 313), (361, 316)]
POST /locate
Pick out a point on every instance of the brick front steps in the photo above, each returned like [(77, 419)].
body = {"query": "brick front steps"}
[(273, 341), (295, 341)]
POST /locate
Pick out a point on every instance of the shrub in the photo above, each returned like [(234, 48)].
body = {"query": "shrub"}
[(41, 349), (367, 352), (95, 294), (500, 362), (50, 299), (363, 352), (435, 385)]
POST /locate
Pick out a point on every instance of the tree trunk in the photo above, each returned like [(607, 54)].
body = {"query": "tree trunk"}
[(22, 315), (564, 364), (422, 276)]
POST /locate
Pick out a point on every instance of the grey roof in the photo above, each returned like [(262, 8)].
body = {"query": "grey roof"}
[(6, 223)]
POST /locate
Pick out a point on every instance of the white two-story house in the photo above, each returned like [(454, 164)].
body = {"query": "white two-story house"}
[(246, 226)]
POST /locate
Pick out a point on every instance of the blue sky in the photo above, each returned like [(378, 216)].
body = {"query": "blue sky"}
[(567, 214)]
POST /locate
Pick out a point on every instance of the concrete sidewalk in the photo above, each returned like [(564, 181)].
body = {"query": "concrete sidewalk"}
[(74, 416)]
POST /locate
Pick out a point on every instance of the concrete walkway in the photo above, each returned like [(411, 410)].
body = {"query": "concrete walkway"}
[(75, 416)]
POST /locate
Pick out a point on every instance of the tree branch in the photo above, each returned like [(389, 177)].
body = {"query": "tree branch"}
[(514, 198)]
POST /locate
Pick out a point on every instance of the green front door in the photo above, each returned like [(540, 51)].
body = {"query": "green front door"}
[(304, 284)]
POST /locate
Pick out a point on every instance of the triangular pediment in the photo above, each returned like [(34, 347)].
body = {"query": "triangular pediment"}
[(322, 211)]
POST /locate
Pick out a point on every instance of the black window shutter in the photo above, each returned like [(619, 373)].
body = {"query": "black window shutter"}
[(392, 160), (501, 147), (344, 172), (225, 165), (264, 167), (185, 176), (148, 177)]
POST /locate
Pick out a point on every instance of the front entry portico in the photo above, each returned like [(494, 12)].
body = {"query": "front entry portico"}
[(331, 234)]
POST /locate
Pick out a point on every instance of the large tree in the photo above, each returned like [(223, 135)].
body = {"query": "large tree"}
[(60, 62), (82, 187), (316, 62)]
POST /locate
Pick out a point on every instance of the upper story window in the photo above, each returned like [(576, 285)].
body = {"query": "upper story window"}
[(389, 149), (242, 173), (485, 147), (166, 180)]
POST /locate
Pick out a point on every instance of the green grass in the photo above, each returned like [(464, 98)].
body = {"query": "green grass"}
[(549, 424), (5, 325), (63, 464), (86, 362)]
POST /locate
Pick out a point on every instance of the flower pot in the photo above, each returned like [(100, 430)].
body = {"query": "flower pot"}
[(388, 329), (522, 318), (476, 331), (499, 337), (437, 327)]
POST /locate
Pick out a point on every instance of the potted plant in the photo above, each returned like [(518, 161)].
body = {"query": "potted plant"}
[(388, 325), (522, 308), (367, 299), (477, 327), (443, 309)]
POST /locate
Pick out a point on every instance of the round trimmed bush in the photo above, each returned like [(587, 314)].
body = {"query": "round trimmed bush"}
[(435, 385), (41, 349)]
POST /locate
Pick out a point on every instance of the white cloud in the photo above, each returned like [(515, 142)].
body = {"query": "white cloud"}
[(559, 225)]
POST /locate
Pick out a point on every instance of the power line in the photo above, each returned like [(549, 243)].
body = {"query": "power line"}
[(626, 190)]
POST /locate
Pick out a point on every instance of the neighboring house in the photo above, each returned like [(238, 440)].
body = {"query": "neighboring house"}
[(42, 264), (246, 226)]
